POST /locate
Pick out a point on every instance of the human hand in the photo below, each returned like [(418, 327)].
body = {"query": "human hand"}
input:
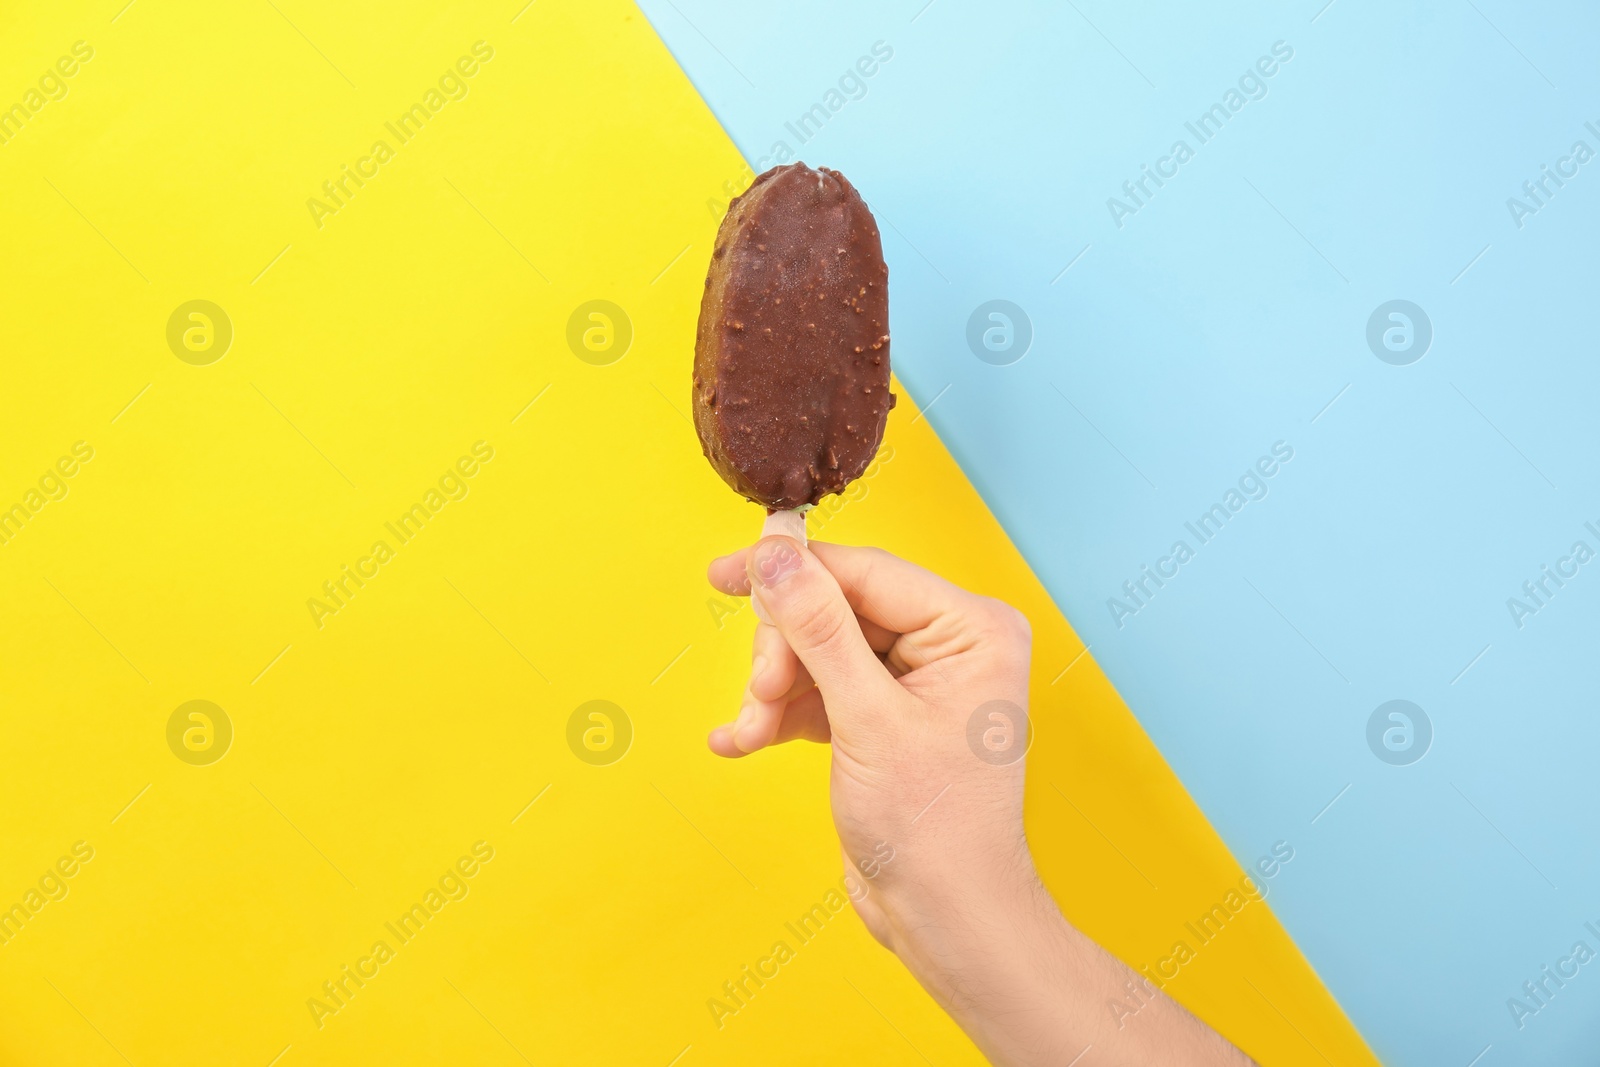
[(890, 662), (922, 688)]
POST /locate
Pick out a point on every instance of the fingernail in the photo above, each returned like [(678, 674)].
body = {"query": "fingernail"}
[(774, 560)]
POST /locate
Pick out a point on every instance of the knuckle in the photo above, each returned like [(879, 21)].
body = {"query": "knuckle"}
[(1007, 622), (1021, 628), (817, 629)]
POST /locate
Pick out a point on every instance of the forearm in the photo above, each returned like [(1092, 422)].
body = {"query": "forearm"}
[(1029, 988), (907, 670)]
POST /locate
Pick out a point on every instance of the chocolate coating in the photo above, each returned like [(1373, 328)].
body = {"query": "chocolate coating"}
[(791, 360)]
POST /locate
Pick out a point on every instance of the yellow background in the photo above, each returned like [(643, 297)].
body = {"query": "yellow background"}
[(369, 754)]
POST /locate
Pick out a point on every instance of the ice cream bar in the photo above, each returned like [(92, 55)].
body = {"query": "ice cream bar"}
[(791, 360)]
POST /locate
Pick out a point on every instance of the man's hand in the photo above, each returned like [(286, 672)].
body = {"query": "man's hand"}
[(922, 688)]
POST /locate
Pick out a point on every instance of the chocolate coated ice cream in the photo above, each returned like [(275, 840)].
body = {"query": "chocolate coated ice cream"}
[(791, 365)]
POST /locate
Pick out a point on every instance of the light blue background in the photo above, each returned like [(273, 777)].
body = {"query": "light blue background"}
[(1223, 317)]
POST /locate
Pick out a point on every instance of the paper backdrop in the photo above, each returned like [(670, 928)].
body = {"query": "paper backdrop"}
[(334, 525)]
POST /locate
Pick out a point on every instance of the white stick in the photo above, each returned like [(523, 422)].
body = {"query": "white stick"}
[(781, 524), (786, 524)]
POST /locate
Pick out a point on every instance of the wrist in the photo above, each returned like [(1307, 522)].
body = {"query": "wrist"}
[(1028, 987), (994, 960), (974, 935)]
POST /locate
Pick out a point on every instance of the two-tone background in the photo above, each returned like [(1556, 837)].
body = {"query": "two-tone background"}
[(354, 529)]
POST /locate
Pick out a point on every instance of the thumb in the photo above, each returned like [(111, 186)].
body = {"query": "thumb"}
[(804, 601)]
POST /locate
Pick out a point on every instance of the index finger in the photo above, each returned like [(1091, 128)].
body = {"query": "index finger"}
[(880, 586)]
